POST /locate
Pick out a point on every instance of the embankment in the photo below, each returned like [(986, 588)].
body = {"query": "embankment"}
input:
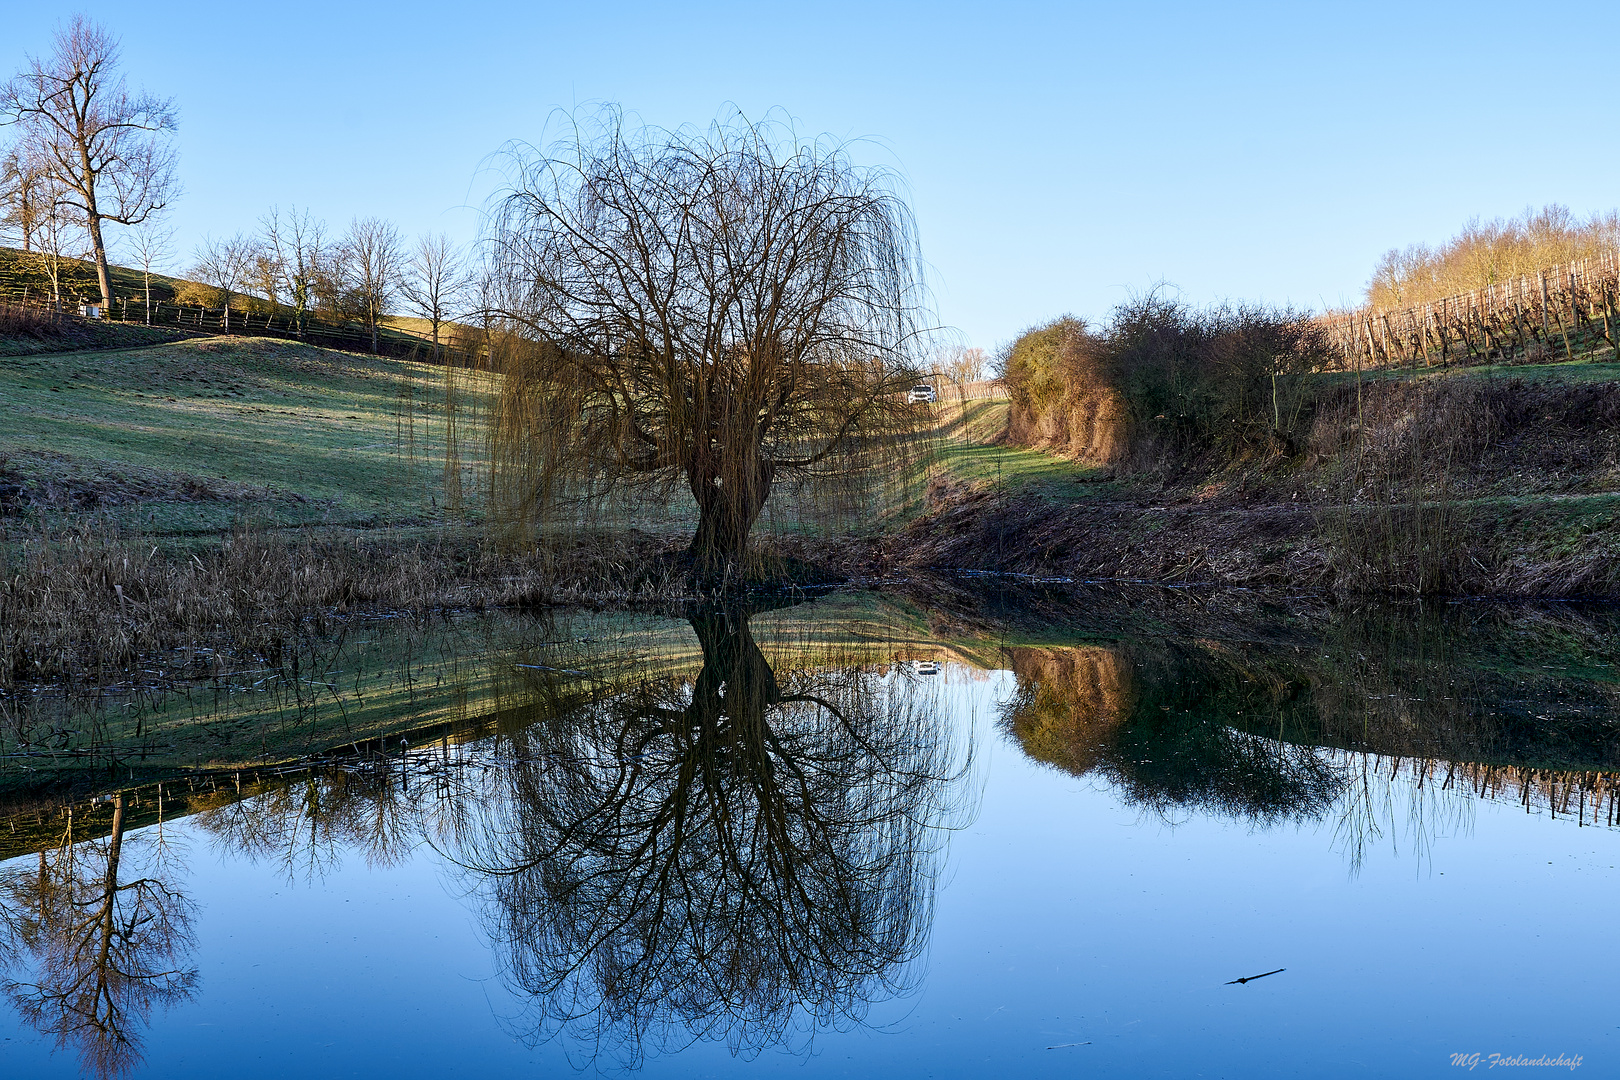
[(1498, 483)]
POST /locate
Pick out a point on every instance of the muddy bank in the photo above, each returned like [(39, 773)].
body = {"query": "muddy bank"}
[(1458, 486), (1546, 551)]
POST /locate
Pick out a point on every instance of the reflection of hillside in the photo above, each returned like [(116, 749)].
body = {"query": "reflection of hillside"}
[(372, 678)]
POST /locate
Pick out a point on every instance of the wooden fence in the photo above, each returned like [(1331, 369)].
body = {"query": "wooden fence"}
[(132, 311), (1557, 313)]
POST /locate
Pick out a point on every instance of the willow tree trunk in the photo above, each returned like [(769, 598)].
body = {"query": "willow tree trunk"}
[(729, 501), (736, 680)]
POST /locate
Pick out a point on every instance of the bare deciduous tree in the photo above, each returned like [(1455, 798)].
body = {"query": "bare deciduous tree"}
[(961, 365), (23, 188), (105, 145), (151, 243), (372, 252), (58, 235), (729, 309), (294, 246), (434, 281), (224, 265)]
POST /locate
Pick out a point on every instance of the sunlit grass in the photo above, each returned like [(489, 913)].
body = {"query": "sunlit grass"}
[(357, 439), (970, 453)]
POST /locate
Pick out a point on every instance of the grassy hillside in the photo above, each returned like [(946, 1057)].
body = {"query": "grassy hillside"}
[(188, 437), (79, 279)]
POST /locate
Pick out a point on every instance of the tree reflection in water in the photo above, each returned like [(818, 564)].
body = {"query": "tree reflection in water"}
[(742, 855), (308, 823), (745, 856), (97, 941), (1160, 730)]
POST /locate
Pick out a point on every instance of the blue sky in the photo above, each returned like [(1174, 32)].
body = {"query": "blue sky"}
[(1057, 156)]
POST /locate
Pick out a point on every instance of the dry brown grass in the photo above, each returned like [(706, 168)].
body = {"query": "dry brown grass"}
[(1465, 485), (25, 330), (26, 322), (87, 606)]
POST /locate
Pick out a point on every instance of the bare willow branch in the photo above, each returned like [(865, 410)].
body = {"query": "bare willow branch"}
[(722, 311)]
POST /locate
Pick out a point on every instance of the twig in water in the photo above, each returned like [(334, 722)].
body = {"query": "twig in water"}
[(1060, 1046), (1251, 978)]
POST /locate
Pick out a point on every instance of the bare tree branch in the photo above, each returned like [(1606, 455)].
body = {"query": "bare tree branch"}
[(105, 145), (718, 309)]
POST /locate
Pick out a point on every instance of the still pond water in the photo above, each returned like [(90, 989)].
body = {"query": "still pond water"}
[(951, 838)]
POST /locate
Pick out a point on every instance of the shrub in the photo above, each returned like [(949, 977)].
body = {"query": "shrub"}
[(196, 294), (1163, 382), (17, 321)]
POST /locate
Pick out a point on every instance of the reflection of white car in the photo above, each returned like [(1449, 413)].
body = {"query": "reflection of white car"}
[(926, 667), (921, 394)]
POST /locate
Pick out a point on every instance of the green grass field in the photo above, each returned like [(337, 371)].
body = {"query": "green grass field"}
[(188, 438), (191, 436), (971, 452), (1581, 370)]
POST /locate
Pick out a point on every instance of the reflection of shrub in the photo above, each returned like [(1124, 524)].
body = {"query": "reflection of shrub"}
[(1167, 725), (1164, 381)]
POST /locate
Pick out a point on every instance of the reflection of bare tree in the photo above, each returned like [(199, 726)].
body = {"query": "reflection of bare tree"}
[(103, 952), (309, 821), (740, 857)]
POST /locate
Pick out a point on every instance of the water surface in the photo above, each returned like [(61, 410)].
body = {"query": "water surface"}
[(730, 844)]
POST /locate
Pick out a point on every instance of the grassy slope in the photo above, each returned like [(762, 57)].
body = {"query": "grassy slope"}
[(79, 279), (973, 452), (1569, 371), (290, 432)]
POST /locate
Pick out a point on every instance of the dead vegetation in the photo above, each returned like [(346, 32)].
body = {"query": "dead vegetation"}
[(1463, 485), (82, 608), (43, 480), (26, 330)]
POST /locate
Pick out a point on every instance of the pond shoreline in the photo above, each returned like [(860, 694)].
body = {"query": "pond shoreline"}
[(1470, 482), (1484, 548)]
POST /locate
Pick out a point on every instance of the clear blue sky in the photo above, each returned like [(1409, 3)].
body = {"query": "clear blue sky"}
[(1058, 156)]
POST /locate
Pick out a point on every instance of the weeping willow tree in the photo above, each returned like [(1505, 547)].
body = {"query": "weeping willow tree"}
[(728, 311)]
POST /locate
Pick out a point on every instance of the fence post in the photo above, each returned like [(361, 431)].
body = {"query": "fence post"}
[(1546, 330)]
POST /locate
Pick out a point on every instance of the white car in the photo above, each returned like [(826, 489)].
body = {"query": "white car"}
[(921, 394)]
